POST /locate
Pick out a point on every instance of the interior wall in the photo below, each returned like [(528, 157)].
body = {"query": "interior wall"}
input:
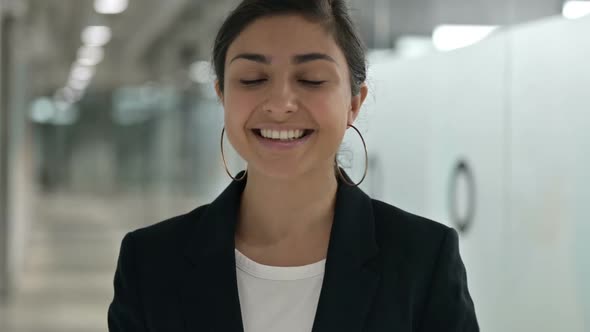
[(501, 127)]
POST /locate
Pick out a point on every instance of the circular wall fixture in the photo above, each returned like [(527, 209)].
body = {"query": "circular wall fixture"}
[(463, 217)]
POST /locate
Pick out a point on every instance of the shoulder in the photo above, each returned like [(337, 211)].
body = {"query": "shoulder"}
[(423, 256), (167, 235), (416, 238), (391, 219)]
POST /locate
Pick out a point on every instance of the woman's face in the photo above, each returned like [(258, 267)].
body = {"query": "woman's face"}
[(286, 77)]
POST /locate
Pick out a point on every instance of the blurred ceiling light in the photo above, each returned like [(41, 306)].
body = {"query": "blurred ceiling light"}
[(576, 9), (96, 35), (450, 37), (78, 94), (200, 72), (42, 110), (82, 73), (69, 94), (65, 94), (90, 55), (60, 105), (78, 85), (65, 113), (110, 6)]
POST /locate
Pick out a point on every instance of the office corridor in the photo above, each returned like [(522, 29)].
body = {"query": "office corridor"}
[(67, 280), (476, 117)]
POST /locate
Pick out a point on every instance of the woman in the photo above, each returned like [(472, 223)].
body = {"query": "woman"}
[(291, 244)]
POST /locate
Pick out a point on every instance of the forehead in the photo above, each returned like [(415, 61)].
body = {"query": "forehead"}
[(283, 36)]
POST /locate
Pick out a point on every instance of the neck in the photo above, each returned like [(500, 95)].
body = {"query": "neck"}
[(275, 212)]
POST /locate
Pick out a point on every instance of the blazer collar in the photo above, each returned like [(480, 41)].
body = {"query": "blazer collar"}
[(349, 282)]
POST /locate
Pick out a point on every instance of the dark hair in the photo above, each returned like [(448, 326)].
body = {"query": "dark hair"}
[(332, 14)]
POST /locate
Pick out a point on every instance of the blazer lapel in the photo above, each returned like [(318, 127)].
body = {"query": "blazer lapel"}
[(209, 292), (349, 283)]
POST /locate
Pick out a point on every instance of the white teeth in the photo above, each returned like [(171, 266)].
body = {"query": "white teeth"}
[(284, 135)]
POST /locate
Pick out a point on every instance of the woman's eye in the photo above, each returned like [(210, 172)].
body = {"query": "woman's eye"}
[(252, 82), (313, 83), (262, 80)]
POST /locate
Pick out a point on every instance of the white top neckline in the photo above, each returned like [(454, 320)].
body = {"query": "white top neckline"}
[(279, 273)]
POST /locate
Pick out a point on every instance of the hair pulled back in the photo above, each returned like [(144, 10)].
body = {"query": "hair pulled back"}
[(333, 15)]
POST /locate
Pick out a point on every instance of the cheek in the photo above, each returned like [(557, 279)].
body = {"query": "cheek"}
[(331, 116), (236, 113), (330, 112), (237, 108)]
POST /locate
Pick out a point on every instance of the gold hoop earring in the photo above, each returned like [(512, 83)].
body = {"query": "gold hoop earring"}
[(225, 164), (366, 162)]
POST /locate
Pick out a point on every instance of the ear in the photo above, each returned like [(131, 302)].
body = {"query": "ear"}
[(356, 103), (218, 91)]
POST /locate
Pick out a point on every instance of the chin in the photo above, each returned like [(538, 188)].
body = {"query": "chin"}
[(280, 173), (284, 170)]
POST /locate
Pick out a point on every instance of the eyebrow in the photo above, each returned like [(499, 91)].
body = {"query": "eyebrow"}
[(297, 59)]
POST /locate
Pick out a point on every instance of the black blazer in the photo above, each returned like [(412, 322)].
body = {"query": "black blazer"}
[(386, 270)]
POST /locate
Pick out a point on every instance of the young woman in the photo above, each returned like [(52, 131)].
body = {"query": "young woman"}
[(292, 244)]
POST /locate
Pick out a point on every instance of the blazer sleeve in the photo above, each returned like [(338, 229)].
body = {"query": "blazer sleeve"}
[(124, 313), (449, 306)]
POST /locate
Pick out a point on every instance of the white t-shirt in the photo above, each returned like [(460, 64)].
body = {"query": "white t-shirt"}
[(276, 298)]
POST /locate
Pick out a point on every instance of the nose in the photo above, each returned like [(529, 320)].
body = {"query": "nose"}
[(282, 99)]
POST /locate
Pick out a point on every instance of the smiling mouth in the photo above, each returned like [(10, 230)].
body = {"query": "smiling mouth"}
[(292, 135)]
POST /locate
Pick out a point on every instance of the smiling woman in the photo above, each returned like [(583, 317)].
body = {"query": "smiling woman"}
[(277, 84), (290, 245)]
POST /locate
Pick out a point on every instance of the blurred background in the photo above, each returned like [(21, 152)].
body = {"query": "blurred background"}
[(478, 117)]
